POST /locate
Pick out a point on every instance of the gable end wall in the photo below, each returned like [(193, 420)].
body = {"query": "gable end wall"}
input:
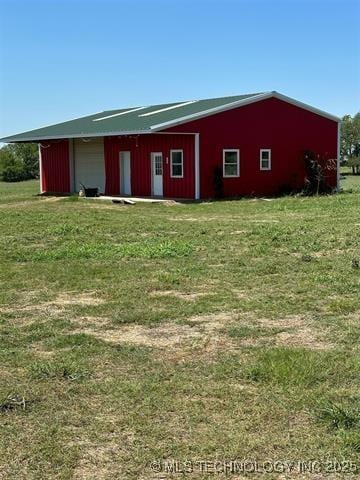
[(286, 129)]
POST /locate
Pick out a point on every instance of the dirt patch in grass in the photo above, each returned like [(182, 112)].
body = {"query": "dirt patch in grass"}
[(268, 220), (198, 330), (202, 219), (97, 462), (241, 294), (166, 335), (93, 321), (299, 332), (77, 299), (190, 297), (304, 338), (292, 321), (353, 318), (207, 333), (56, 306)]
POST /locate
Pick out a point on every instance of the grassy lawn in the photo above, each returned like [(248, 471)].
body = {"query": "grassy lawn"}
[(211, 331)]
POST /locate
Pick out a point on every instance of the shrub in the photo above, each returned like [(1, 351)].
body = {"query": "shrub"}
[(317, 170), (218, 183)]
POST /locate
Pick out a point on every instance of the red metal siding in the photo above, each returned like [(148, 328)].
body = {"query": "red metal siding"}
[(287, 129), (55, 166), (140, 148)]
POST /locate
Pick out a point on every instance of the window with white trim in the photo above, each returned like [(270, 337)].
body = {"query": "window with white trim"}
[(231, 163), (265, 159), (176, 163)]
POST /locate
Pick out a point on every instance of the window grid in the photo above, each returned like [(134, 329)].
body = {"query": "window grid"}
[(158, 165), (176, 164), (231, 163), (265, 159)]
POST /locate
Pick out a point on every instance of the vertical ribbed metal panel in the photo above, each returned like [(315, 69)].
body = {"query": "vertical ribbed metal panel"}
[(273, 124), (141, 147), (55, 165)]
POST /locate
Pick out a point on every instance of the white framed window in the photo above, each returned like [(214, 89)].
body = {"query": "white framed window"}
[(231, 162), (176, 164), (265, 159)]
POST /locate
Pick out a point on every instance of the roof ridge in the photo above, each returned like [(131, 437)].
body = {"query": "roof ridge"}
[(253, 94)]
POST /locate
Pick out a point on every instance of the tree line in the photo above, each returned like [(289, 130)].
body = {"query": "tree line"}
[(20, 161), (350, 142)]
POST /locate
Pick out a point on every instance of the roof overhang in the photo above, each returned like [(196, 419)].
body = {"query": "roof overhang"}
[(75, 135)]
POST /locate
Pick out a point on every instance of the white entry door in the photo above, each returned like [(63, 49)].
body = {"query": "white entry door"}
[(125, 173), (157, 173)]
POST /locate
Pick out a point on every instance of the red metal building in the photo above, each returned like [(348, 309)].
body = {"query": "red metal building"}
[(249, 145)]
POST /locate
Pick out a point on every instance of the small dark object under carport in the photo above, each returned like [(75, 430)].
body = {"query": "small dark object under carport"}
[(90, 191)]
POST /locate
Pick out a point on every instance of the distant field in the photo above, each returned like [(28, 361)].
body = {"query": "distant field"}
[(162, 333)]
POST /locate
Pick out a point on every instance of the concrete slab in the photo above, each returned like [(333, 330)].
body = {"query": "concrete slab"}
[(132, 199)]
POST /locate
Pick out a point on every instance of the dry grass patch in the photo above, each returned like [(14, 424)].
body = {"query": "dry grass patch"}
[(98, 461), (292, 321), (190, 297), (201, 330), (30, 203), (55, 306), (77, 299), (241, 294), (303, 338), (299, 332), (207, 333)]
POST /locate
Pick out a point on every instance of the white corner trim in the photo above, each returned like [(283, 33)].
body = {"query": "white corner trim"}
[(40, 169), (197, 166)]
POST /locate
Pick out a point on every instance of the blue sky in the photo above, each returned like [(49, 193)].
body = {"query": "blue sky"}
[(66, 58)]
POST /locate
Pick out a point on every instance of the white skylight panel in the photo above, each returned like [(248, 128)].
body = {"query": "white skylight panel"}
[(118, 114), (167, 108)]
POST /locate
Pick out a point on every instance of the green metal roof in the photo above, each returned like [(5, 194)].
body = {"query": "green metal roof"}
[(131, 120), (153, 118)]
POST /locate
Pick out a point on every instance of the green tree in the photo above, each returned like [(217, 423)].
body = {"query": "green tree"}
[(350, 142), (19, 162)]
